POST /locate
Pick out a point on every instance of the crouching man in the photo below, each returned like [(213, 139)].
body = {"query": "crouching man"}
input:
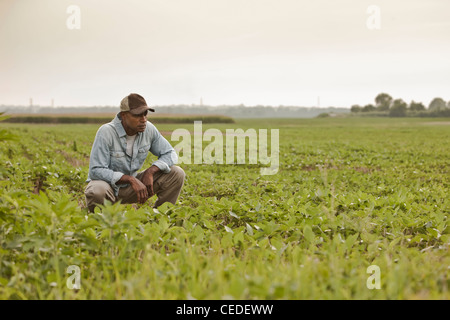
[(119, 151)]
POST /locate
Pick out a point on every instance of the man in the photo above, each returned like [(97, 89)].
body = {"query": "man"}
[(119, 151)]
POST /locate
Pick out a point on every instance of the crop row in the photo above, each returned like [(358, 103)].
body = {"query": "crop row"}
[(345, 198)]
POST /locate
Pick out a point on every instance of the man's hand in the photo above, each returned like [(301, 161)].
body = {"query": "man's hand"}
[(147, 179), (139, 188)]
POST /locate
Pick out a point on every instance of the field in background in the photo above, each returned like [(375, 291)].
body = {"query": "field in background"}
[(349, 194)]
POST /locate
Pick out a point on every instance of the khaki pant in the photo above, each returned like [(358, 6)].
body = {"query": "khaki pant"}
[(167, 187)]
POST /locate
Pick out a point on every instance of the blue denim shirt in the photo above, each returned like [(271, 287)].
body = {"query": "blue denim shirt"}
[(109, 160)]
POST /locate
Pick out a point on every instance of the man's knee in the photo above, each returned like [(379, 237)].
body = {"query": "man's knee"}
[(179, 174), (169, 185), (97, 189), (97, 192)]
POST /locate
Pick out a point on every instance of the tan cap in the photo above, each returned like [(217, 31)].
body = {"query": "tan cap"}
[(135, 104)]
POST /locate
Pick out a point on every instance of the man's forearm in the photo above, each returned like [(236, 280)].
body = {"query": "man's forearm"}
[(137, 185), (126, 179), (152, 170), (105, 174)]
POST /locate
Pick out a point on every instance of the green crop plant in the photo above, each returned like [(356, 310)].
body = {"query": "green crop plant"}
[(349, 194)]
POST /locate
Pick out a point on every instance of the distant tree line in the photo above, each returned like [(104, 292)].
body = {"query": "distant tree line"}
[(101, 120), (233, 111), (385, 105)]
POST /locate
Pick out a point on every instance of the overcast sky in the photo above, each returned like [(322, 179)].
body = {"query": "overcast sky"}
[(268, 52)]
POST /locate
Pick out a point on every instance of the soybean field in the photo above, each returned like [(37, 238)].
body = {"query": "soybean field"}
[(358, 209)]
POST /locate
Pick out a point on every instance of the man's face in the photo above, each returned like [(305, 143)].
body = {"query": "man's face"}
[(134, 123)]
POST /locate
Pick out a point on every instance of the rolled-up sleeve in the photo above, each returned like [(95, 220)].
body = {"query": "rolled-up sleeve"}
[(100, 160), (161, 148)]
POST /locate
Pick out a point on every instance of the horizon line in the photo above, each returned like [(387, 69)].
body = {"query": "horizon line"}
[(174, 105)]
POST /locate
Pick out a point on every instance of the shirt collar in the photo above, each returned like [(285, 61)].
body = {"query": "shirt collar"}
[(118, 125)]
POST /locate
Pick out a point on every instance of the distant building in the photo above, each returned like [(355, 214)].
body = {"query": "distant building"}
[(33, 108)]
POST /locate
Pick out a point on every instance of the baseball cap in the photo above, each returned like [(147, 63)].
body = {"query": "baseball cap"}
[(135, 104)]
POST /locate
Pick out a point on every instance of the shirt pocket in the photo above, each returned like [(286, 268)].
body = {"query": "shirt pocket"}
[(142, 154), (118, 160)]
